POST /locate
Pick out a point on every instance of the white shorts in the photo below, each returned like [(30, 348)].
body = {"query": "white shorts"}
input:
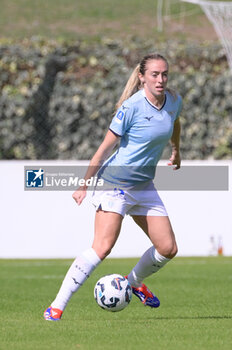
[(139, 200)]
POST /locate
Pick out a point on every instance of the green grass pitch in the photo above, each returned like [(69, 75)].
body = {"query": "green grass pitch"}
[(73, 19), (195, 311)]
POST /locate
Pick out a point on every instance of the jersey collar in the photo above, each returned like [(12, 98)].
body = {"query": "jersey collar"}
[(152, 104)]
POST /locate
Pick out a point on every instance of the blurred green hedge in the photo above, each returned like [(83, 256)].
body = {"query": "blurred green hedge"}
[(58, 97)]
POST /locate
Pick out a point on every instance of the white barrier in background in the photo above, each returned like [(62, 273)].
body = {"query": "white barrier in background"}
[(50, 225)]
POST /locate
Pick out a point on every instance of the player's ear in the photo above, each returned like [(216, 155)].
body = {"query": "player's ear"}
[(141, 78)]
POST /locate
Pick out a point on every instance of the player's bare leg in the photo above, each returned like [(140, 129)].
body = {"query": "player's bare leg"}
[(107, 228), (159, 230)]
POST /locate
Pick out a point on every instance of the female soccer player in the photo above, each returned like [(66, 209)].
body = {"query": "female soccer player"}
[(146, 119)]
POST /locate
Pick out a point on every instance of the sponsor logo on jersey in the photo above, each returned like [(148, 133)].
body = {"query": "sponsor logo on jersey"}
[(124, 107), (149, 118)]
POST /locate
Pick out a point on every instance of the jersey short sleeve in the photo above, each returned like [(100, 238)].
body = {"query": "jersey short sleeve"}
[(122, 120)]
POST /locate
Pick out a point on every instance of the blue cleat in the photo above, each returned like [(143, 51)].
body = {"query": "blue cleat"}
[(146, 296), (51, 314)]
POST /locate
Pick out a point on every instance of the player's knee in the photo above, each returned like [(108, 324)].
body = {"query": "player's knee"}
[(174, 251), (169, 250), (103, 250), (105, 253)]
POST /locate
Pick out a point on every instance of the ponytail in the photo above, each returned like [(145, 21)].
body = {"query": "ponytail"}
[(132, 86)]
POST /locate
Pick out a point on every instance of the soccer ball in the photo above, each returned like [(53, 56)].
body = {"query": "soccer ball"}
[(113, 292)]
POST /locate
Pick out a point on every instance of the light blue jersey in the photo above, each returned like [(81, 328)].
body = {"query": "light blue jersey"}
[(145, 131)]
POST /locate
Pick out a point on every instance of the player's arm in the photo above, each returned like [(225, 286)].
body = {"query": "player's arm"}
[(102, 154), (175, 143), (96, 162)]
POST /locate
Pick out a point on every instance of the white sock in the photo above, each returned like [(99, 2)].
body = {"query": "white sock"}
[(77, 274), (150, 262)]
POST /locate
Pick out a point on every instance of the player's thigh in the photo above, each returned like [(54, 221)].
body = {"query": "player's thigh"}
[(106, 232), (160, 232)]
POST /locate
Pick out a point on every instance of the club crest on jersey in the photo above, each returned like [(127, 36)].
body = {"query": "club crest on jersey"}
[(119, 116)]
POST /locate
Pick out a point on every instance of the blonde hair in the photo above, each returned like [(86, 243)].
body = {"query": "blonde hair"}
[(134, 84)]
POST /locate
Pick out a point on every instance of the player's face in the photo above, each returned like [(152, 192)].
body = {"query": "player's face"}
[(155, 78)]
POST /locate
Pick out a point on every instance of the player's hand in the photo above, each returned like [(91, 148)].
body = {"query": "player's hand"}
[(79, 195), (175, 160)]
